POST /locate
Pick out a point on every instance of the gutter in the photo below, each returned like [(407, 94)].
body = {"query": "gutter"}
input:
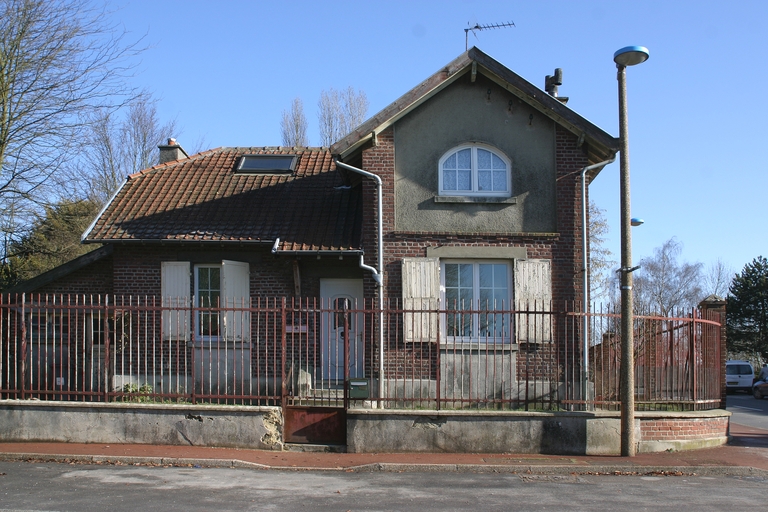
[(585, 272), (379, 270)]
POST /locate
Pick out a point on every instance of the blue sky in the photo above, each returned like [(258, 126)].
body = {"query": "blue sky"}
[(226, 70)]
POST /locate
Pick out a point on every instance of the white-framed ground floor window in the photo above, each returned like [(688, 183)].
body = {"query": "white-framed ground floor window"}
[(219, 293), (481, 300), (471, 291)]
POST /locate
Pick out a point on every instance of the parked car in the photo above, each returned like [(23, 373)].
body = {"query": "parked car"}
[(760, 389), (739, 376)]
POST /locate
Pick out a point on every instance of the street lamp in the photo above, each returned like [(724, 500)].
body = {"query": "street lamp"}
[(628, 56)]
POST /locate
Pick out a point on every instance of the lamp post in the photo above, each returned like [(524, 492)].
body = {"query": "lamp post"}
[(628, 56)]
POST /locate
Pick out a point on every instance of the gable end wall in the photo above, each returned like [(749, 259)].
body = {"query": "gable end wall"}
[(564, 248)]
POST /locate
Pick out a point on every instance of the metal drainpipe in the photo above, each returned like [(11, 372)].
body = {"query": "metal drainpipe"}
[(585, 272), (378, 273)]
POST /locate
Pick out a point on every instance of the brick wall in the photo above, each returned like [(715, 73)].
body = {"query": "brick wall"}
[(95, 279), (137, 268), (682, 429), (563, 248)]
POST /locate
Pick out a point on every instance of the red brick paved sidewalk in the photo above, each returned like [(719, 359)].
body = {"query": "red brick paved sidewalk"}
[(748, 449)]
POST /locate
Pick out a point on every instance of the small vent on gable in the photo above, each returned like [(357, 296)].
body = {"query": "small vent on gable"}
[(266, 164)]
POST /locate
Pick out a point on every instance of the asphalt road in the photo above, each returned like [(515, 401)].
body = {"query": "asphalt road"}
[(33, 486), (747, 410)]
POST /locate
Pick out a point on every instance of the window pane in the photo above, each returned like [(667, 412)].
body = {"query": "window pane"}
[(484, 180), (499, 181), (493, 285), (483, 159), (458, 296), (203, 281), (464, 180), (450, 162), (498, 163), (494, 295), (449, 180), (464, 159), (208, 295)]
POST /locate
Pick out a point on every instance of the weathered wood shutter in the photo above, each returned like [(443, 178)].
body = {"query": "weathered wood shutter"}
[(533, 296), (421, 298), (235, 293), (175, 294)]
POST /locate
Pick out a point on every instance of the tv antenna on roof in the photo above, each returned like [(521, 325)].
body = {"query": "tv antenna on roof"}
[(483, 27)]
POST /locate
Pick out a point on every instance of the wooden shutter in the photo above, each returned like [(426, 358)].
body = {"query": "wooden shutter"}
[(236, 293), (175, 294), (533, 296), (421, 297)]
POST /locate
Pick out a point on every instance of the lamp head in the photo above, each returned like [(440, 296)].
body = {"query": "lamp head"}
[(631, 55)]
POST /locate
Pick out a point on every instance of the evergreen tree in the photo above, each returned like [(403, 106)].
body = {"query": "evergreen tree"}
[(54, 239), (747, 313)]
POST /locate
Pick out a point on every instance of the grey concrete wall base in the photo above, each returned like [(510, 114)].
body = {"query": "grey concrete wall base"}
[(173, 424), (486, 432), (564, 433)]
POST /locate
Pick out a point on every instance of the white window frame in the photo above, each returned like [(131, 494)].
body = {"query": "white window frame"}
[(179, 279), (201, 312), (476, 316), (475, 190)]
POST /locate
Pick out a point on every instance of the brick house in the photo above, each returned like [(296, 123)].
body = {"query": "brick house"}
[(478, 211)]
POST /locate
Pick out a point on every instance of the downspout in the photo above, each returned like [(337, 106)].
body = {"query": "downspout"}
[(585, 273), (378, 273)]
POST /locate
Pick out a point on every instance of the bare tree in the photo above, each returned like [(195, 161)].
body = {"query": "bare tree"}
[(116, 148), (717, 278), (355, 104), (293, 125), (663, 284), (601, 265), (340, 112), (58, 64)]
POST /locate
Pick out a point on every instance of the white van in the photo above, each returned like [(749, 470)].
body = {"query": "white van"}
[(739, 376)]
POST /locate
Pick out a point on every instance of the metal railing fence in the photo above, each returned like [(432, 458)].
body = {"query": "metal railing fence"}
[(309, 352)]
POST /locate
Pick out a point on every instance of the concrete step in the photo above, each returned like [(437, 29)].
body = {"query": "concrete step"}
[(315, 448)]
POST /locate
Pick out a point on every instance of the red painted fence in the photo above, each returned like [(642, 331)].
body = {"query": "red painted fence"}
[(306, 352)]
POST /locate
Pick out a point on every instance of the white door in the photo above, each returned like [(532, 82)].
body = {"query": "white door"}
[(343, 297)]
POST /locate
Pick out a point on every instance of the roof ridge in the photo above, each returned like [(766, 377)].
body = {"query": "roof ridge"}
[(314, 149), (169, 163)]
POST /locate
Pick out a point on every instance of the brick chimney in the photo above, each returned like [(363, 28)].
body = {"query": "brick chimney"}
[(171, 151)]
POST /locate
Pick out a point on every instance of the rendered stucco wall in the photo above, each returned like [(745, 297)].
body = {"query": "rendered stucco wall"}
[(565, 433), (222, 426), (465, 112)]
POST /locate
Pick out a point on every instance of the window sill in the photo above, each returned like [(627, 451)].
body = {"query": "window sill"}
[(220, 344), (475, 200), (501, 346)]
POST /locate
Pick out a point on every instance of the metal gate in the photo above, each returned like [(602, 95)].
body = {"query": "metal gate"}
[(324, 355)]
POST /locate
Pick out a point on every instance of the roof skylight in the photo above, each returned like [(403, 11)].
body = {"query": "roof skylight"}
[(266, 164)]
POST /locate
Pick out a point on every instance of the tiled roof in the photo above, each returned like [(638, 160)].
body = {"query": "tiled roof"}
[(202, 199)]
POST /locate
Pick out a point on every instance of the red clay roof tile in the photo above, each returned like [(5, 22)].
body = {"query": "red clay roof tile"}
[(202, 199)]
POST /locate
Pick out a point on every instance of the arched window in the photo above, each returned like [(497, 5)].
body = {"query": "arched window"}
[(475, 170)]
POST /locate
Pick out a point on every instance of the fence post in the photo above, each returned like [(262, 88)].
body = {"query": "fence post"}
[(107, 355), (692, 355), (23, 345), (284, 388), (713, 307)]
